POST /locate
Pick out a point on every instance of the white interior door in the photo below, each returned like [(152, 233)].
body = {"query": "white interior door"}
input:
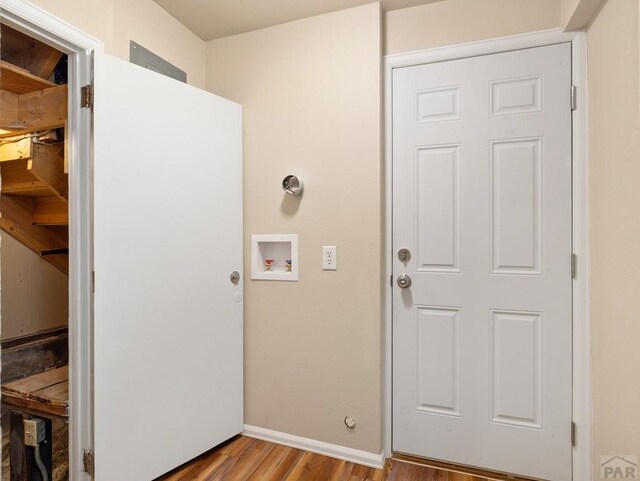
[(168, 233), (482, 199)]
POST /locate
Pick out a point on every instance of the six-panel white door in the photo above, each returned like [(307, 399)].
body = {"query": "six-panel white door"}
[(168, 233), (482, 200)]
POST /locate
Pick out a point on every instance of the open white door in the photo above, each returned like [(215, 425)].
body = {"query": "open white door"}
[(168, 234)]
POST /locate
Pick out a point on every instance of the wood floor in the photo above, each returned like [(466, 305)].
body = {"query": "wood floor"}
[(246, 459)]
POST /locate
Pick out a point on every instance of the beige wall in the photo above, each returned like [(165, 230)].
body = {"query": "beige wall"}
[(614, 113), (34, 293), (116, 22), (311, 96), (578, 14), (459, 21), (310, 91), (567, 9)]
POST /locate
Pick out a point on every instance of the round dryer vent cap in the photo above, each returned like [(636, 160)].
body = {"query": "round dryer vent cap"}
[(292, 184)]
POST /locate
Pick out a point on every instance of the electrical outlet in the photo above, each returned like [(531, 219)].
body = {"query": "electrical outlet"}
[(329, 258), (33, 432)]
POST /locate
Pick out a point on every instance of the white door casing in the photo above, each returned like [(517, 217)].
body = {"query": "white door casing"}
[(167, 235), (482, 198)]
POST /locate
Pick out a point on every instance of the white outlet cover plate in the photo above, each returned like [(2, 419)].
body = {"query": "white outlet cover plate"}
[(329, 258)]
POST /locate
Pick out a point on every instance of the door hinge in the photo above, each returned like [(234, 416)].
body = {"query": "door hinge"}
[(86, 97), (573, 434), (574, 265), (88, 462), (391, 280), (93, 282), (574, 97)]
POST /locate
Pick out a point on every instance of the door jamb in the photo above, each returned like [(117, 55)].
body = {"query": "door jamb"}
[(79, 46), (582, 391)]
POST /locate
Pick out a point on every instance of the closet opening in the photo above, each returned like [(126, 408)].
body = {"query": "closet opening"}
[(34, 282)]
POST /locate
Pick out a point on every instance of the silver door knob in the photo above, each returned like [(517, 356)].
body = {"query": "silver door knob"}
[(404, 281), (234, 277)]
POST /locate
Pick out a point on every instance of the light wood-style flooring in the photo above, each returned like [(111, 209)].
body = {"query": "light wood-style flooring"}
[(246, 459)]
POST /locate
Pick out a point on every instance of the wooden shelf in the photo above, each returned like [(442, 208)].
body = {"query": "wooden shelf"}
[(44, 394), (19, 81)]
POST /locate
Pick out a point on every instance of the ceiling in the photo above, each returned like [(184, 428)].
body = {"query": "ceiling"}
[(211, 19)]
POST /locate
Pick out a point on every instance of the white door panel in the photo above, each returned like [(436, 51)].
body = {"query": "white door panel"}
[(168, 233), (482, 199)]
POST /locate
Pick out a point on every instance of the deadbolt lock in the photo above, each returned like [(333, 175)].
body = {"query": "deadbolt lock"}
[(404, 255)]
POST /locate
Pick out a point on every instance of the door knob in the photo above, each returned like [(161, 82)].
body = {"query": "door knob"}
[(404, 281), (234, 277)]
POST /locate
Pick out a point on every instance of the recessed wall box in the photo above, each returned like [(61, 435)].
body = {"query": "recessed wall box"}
[(274, 257)]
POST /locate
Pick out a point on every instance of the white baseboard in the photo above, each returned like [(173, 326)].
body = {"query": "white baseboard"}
[(319, 447)]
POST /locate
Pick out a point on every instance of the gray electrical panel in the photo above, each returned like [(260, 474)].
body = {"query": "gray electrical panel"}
[(147, 59)]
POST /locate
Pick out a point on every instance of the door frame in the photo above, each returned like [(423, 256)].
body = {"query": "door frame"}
[(581, 322), (79, 46)]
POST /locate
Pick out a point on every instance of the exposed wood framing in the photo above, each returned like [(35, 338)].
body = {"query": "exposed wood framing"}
[(16, 150), (33, 204), (28, 53), (34, 195), (47, 165), (33, 210), (16, 180), (42, 109), (33, 111), (17, 220), (8, 109), (50, 211)]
